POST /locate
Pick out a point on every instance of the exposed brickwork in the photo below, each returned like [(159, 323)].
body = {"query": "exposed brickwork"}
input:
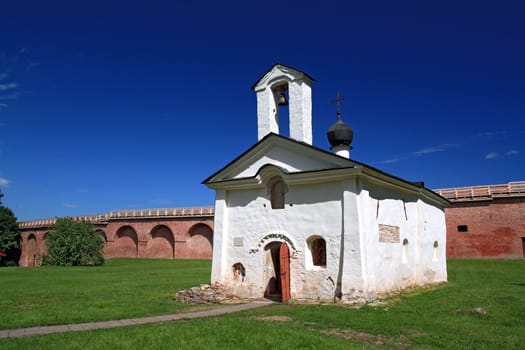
[(496, 227), (167, 233)]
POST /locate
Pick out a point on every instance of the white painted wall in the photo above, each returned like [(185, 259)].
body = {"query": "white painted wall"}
[(310, 210), (286, 159), (421, 226)]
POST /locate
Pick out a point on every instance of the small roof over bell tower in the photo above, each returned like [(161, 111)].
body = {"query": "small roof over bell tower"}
[(340, 135)]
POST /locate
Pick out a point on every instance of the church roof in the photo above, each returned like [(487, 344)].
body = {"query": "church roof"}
[(279, 65), (324, 163)]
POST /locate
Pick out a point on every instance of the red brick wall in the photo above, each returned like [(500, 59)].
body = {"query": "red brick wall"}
[(495, 228), (178, 237), (32, 247)]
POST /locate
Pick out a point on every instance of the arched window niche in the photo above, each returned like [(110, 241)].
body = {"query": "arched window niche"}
[(276, 190), (316, 258), (435, 253), (405, 251)]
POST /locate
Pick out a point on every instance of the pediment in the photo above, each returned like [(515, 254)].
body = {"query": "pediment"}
[(280, 72), (286, 154)]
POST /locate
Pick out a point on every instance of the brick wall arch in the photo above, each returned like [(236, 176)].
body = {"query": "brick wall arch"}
[(200, 241), (126, 242), (104, 237), (161, 243), (32, 250)]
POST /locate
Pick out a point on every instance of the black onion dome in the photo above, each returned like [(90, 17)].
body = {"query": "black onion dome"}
[(340, 133)]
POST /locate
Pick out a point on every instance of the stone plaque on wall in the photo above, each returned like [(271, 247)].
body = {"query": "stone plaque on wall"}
[(388, 234), (238, 241)]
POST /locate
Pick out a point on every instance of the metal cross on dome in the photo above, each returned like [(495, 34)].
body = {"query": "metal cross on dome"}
[(337, 101)]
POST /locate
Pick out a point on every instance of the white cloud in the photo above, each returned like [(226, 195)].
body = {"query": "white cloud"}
[(4, 182), (4, 105), (32, 65), (434, 149), (391, 160), (512, 152), (491, 134), (8, 86), (492, 155), (11, 96), (69, 205)]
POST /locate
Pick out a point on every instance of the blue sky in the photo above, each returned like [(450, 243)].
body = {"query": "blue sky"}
[(125, 104)]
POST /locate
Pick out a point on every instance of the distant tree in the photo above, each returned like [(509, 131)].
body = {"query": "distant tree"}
[(72, 242), (9, 236)]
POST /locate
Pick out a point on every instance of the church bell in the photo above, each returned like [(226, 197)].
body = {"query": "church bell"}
[(282, 99)]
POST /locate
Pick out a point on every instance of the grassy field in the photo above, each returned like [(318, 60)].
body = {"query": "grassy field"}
[(481, 307), (122, 288)]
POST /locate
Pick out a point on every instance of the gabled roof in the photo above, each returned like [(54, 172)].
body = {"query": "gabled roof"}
[(277, 146), (285, 67), (244, 169)]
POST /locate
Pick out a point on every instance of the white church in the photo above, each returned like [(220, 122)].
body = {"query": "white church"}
[(296, 222)]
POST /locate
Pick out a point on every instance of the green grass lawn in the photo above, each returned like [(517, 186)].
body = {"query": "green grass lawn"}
[(481, 307), (122, 288)]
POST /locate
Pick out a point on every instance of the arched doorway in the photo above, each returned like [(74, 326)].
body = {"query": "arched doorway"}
[(126, 243), (162, 243), (277, 271)]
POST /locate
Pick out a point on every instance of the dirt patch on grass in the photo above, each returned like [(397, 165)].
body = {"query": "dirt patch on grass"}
[(380, 341), (472, 310), (275, 318), (371, 339)]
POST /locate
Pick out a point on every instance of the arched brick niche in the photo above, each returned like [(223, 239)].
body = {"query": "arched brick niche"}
[(104, 238), (32, 250), (126, 242), (199, 244), (161, 243)]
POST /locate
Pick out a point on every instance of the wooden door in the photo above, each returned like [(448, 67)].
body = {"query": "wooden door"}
[(284, 271)]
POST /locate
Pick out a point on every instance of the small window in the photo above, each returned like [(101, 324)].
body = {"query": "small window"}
[(462, 228), (318, 248)]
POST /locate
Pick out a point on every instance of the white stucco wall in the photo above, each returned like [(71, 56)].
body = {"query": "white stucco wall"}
[(391, 265), (361, 265), (286, 159), (313, 210)]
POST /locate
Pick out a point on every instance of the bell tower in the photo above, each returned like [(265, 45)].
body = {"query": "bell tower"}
[(280, 84)]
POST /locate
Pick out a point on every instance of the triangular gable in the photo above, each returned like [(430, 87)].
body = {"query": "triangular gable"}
[(290, 155), (281, 68)]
